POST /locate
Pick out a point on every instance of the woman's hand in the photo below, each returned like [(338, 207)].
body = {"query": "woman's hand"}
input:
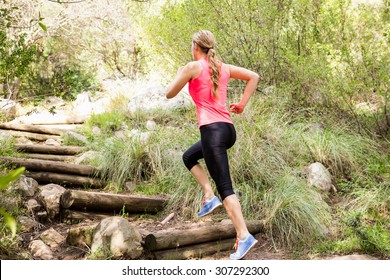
[(236, 108)]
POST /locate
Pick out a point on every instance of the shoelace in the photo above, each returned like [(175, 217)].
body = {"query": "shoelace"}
[(236, 244)]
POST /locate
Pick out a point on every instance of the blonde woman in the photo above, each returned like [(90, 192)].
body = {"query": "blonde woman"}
[(208, 81)]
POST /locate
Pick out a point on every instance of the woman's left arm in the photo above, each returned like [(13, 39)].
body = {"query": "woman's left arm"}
[(184, 75), (252, 79)]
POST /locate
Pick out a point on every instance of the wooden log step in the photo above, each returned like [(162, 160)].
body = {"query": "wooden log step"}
[(67, 180), (197, 251), (75, 216), (50, 157), (169, 239), (31, 128), (46, 149), (52, 166), (107, 202), (30, 135)]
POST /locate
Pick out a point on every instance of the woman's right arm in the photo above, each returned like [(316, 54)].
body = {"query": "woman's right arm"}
[(252, 79)]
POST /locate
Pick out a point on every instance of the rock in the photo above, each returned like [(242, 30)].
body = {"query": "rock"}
[(130, 186), (52, 238), (8, 107), (52, 142), (50, 196), (77, 136), (33, 205), (153, 97), (86, 156), (96, 131), (26, 186), (151, 125), (40, 250), (319, 176), (119, 237), (27, 224)]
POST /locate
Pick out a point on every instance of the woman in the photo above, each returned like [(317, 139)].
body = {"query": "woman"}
[(208, 81)]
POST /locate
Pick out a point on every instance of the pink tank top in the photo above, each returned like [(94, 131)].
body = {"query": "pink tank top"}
[(208, 109)]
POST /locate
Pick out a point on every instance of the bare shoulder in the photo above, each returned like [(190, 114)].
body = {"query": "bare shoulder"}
[(193, 68)]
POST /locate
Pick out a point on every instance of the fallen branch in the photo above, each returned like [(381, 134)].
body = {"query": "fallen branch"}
[(167, 219)]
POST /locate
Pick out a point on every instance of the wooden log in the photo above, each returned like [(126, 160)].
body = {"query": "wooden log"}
[(107, 202), (54, 119), (66, 179), (169, 239), (46, 149), (74, 216), (52, 166), (30, 135), (31, 128), (197, 251), (50, 157)]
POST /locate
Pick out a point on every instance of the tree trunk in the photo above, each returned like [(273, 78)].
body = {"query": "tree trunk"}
[(104, 202), (195, 251), (66, 179), (31, 128), (52, 166), (50, 157), (30, 135), (46, 149), (169, 239)]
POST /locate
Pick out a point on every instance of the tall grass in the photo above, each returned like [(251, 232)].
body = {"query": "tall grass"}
[(295, 214)]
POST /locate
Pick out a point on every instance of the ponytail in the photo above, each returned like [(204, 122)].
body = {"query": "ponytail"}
[(206, 41), (215, 66)]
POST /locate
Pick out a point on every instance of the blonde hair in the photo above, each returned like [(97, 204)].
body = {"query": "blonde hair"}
[(206, 41)]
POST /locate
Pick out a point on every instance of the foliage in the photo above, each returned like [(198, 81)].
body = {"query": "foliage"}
[(327, 53), (4, 181)]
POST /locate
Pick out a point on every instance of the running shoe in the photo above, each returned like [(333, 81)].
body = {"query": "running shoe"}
[(209, 205), (243, 247)]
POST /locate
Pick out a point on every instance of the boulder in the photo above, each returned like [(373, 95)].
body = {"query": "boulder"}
[(26, 186), (50, 196), (319, 177), (118, 237), (40, 250), (52, 238)]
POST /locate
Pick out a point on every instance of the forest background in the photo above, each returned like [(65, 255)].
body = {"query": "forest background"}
[(323, 97)]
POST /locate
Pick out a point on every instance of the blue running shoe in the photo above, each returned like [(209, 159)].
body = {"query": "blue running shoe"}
[(209, 206), (243, 247)]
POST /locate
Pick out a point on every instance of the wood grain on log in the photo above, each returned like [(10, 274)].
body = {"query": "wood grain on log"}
[(46, 149), (66, 179), (63, 158), (30, 135), (169, 239), (197, 251), (52, 166), (103, 202), (31, 128)]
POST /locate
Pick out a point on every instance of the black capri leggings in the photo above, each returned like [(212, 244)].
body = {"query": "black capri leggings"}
[(216, 138)]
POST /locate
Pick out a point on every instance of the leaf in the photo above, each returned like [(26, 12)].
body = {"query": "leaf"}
[(42, 26), (11, 176), (9, 221)]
